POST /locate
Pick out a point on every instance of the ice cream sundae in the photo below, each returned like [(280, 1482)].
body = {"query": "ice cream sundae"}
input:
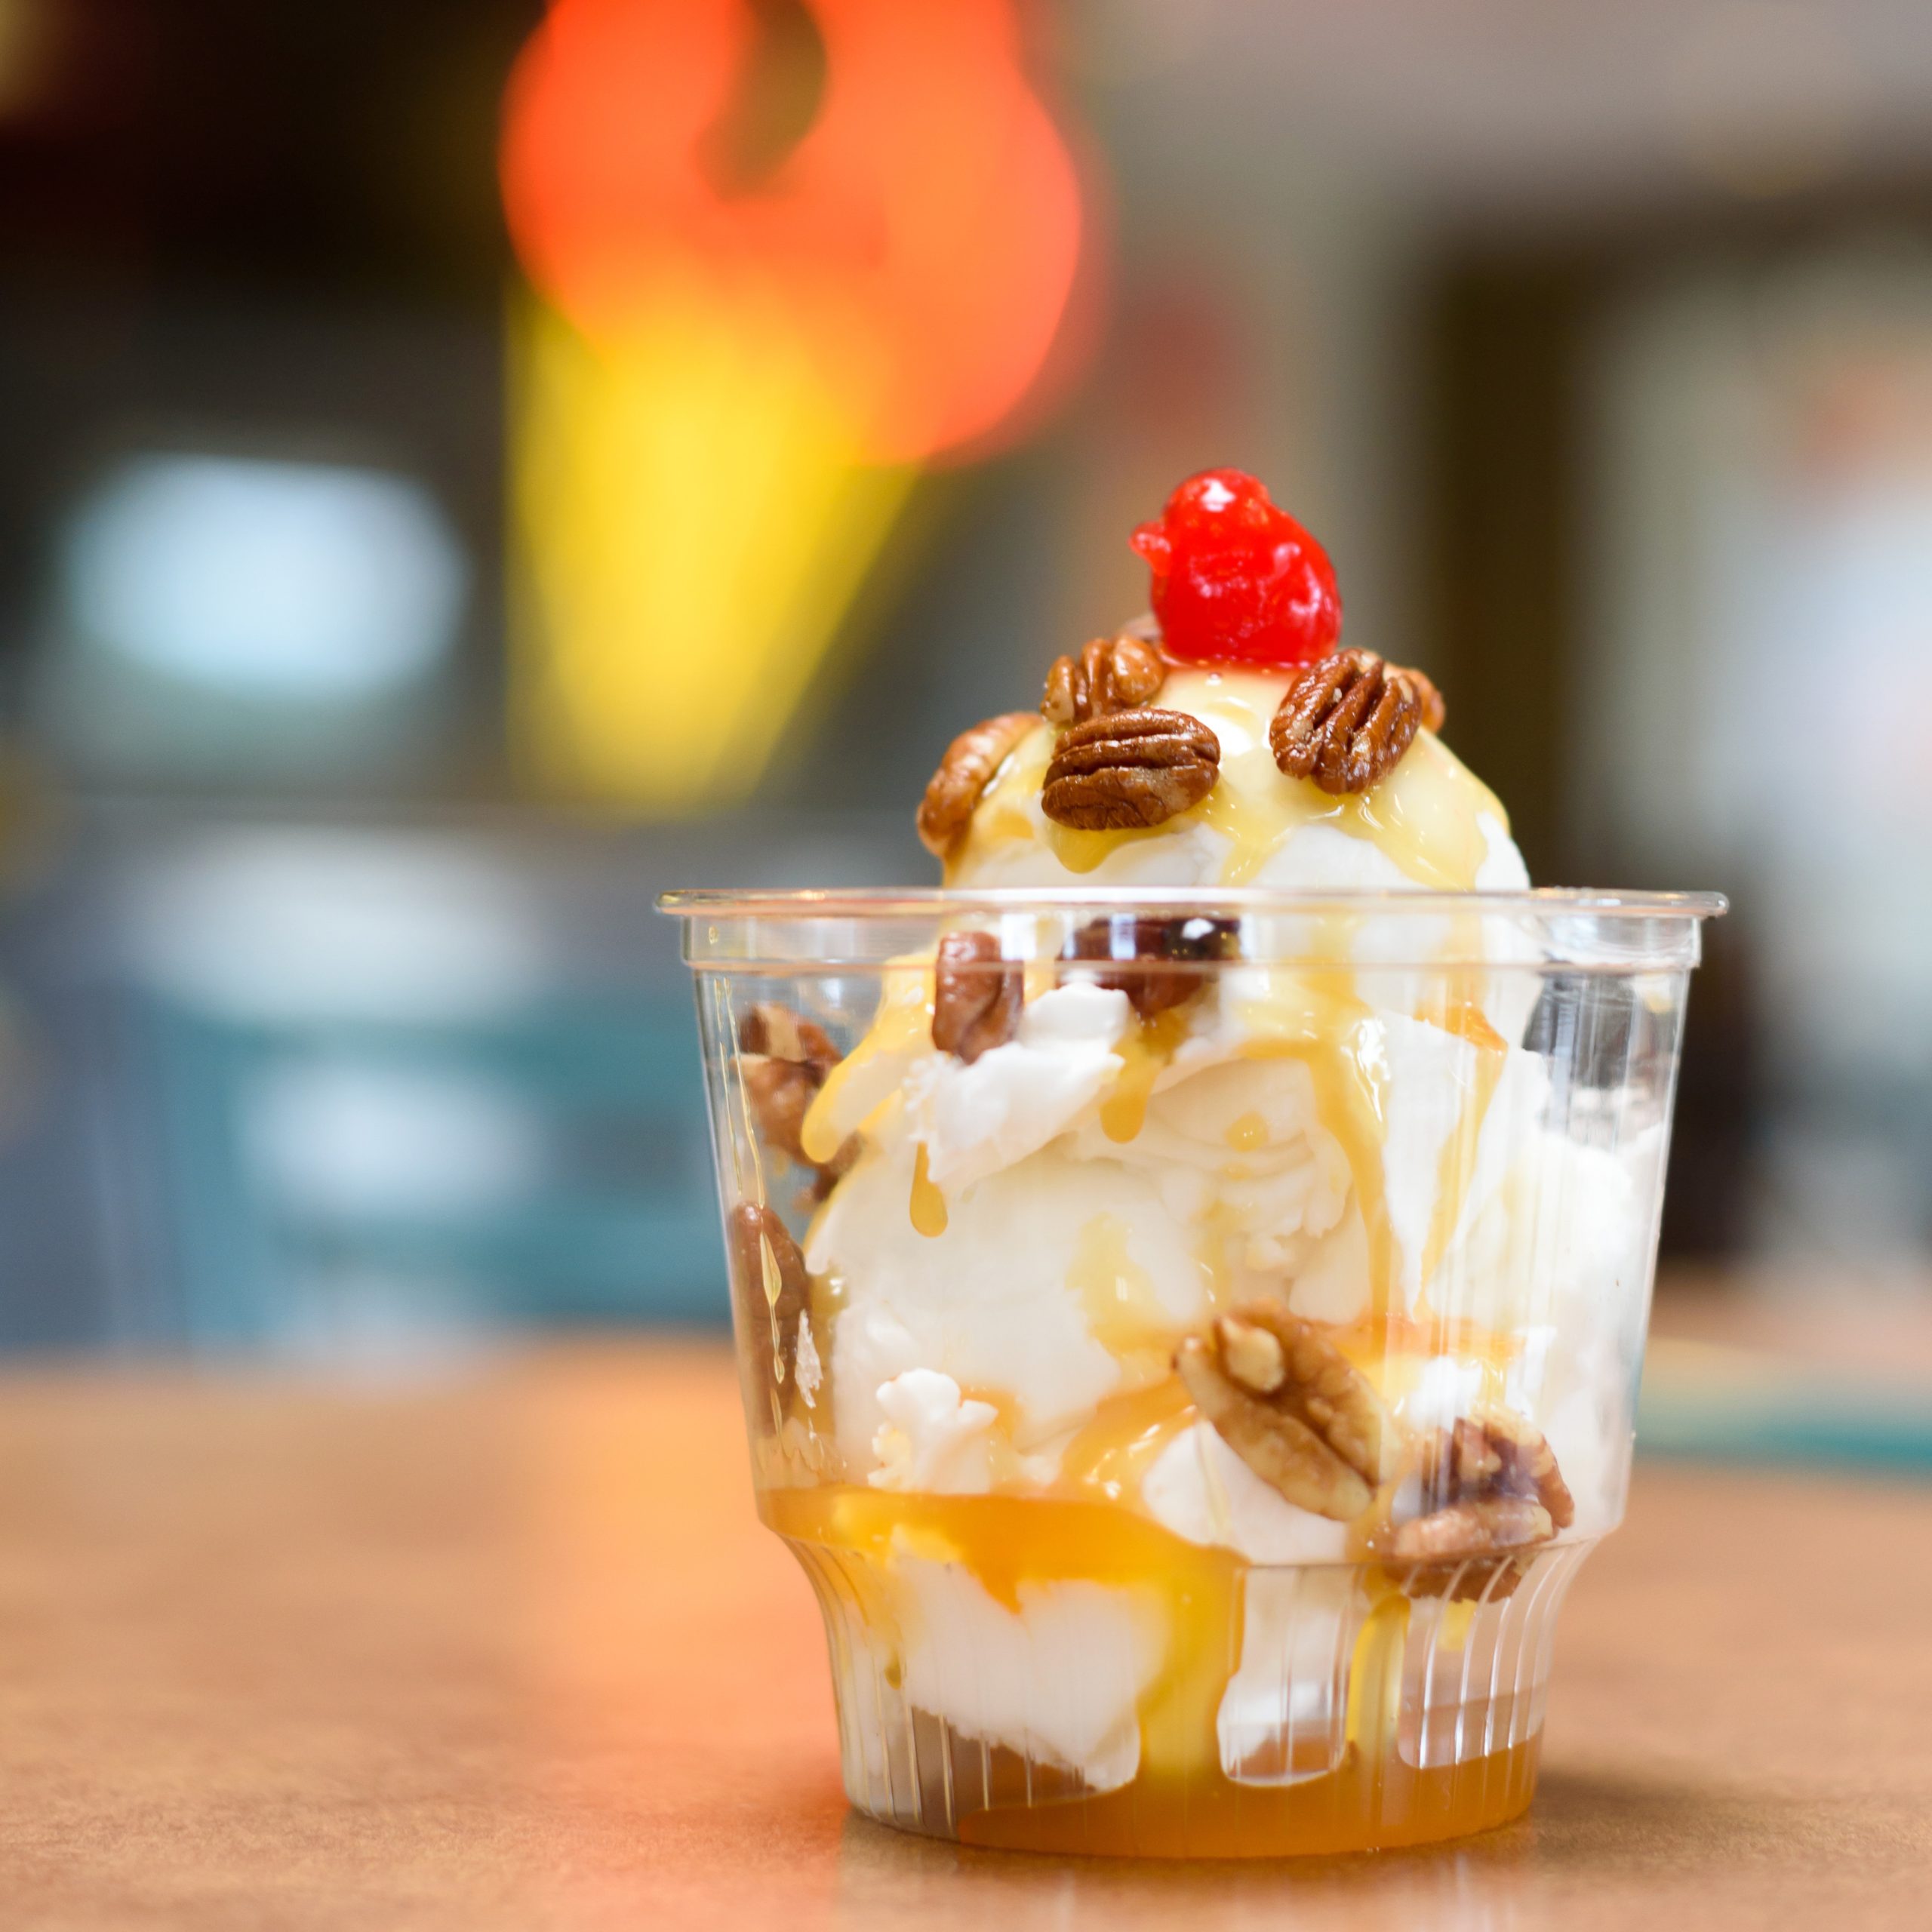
[(1190, 1271)]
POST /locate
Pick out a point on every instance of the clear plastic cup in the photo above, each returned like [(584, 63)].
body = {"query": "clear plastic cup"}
[(1191, 1387)]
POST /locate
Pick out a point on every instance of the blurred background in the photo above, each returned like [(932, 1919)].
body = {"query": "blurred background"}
[(468, 466)]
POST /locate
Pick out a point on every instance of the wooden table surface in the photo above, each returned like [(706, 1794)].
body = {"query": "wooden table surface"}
[(508, 1649)]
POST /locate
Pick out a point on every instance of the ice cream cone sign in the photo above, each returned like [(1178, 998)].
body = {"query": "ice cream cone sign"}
[(779, 257)]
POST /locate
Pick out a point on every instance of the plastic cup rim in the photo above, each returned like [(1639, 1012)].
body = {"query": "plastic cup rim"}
[(938, 902), (733, 929)]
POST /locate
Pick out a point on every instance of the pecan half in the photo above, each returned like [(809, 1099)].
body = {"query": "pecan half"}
[(1464, 1531), (976, 999), (1335, 1396), (769, 1028), (1529, 1466), (962, 776), (1280, 1448), (1110, 674), (780, 1095), (1346, 720), (1434, 711), (1133, 768), (787, 1058), (1169, 946), (1490, 1484), (1495, 1454), (770, 1288), (1292, 1407)]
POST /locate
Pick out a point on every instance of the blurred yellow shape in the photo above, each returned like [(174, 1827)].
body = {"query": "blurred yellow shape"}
[(28, 34), (691, 521)]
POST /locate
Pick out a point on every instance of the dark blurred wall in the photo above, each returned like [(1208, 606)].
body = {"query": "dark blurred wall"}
[(267, 231)]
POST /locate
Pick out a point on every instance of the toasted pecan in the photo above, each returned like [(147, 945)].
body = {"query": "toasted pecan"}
[(1346, 720), (1293, 1407), (1527, 1464), (1108, 674), (1491, 1492), (1337, 1399), (1279, 1448), (775, 1030), (1495, 1453), (1164, 961), (976, 998), (770, 1290), (1133, 768), (787, 1058), (780, 1093), (962, 776), (1461, 1532), (1434, 711)]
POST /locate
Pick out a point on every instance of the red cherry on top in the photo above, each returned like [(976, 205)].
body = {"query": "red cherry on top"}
[(1237, 581)]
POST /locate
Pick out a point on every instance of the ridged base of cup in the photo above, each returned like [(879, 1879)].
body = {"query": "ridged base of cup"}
[(1362, 1716)]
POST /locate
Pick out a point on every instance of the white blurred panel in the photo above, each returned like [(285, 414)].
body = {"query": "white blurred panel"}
[(1755, 707), (335, 1139), (288, 926), (274, 580)]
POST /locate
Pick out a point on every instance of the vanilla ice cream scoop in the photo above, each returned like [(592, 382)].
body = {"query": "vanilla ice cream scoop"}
[(1037, 1226), (1430, 823)]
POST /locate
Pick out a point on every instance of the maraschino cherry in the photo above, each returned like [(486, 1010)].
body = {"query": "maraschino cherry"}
[(1237, 581)]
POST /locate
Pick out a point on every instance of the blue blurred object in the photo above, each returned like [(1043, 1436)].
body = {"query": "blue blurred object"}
[(304, 582), (219, 620), (329, 1090), (359, 1183), (1710, 1400)]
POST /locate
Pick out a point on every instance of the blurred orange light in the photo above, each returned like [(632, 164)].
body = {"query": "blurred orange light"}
[(921, 236)]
